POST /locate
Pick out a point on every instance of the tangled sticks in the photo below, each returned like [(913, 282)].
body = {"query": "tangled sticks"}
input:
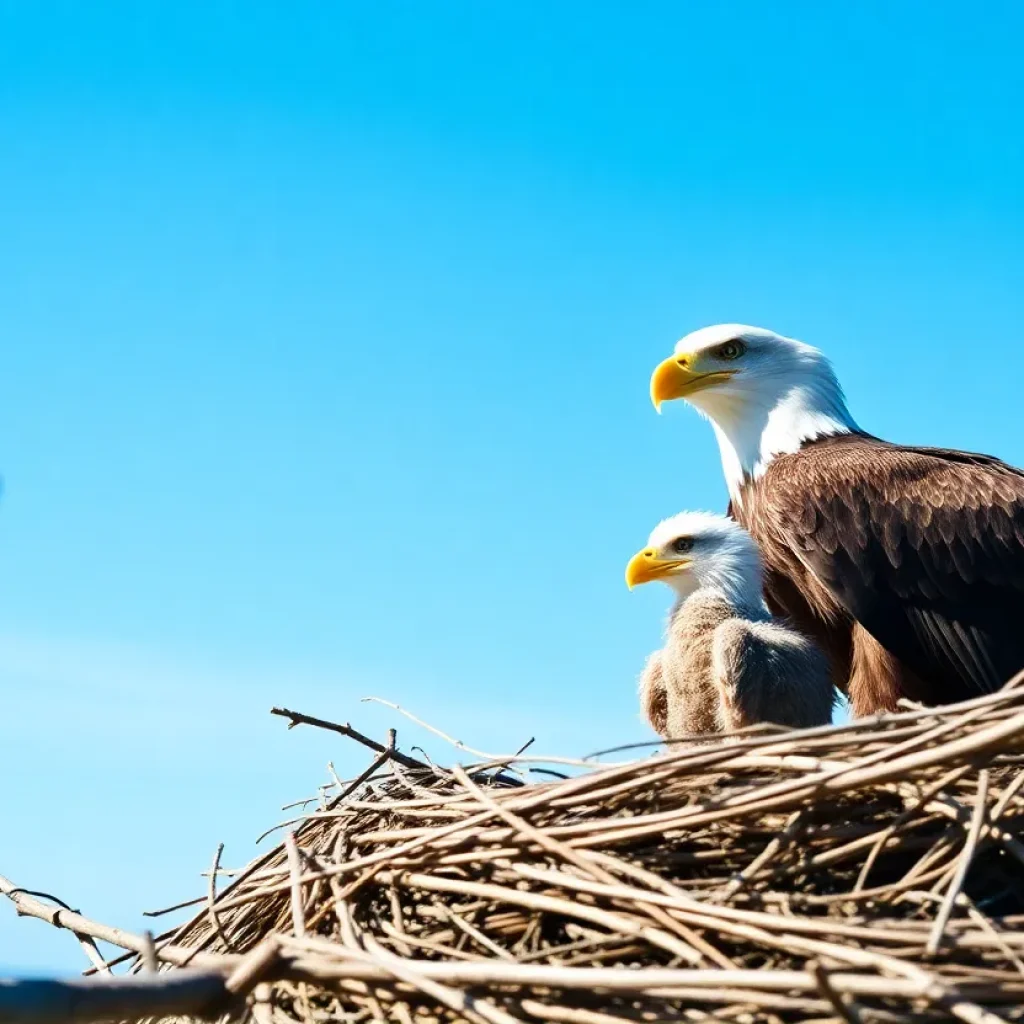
[(865, 872)]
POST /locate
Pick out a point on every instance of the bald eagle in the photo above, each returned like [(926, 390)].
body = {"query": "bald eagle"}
[(725, 664), (905, 564)]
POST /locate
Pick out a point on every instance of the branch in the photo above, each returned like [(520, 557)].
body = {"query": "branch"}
[(297, 718), (82, 1000), (61, 917), (28, 905)]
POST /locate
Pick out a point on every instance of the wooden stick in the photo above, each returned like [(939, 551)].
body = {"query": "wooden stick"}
[(298, 718), (970, 845), (295, 871), (82, 1001)]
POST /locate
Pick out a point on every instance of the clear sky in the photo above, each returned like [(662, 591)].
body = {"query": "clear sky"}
[(325, 334)]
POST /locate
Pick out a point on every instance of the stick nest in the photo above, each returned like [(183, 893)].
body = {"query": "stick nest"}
[(863, 872)]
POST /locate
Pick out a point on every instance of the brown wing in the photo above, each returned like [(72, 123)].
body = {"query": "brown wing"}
[(924, 547)]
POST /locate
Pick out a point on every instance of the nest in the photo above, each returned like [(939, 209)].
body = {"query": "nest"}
[(863, 872)]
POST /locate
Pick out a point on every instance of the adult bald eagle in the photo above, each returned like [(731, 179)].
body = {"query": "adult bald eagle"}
[(725, 664), (905, 564)]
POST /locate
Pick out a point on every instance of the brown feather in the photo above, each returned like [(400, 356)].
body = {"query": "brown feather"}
[(719, 672), (653, 698), (906, 565)]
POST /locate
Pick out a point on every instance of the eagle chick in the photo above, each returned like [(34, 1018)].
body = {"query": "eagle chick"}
[(725, 664)]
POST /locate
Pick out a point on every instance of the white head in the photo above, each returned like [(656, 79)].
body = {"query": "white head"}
[(701, 551), (764, 394)]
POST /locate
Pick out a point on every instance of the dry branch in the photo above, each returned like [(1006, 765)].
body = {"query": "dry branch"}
[(84, 1001)]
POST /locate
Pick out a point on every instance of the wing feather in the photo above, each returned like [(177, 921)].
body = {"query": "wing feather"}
[(924, 547)]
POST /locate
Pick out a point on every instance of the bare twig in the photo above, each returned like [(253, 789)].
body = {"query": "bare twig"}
[(297, 718), (148, 955), (29, 905), (970, 845), (211, 905), (458, 744), (846, 1011), (295, 870)]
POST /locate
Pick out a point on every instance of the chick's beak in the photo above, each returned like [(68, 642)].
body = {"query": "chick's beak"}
[(646, 565), (676, 378)]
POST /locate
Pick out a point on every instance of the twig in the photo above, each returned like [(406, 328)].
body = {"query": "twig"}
[(471, 1008), (458, 744), (211, 896), (474, 933), (295, 870), (297, 718), (254, 967), (60, 917), (148, 955), (334, 776), (378, 762), (177, 906), (847, 1011), (970, 845), (740, 879)]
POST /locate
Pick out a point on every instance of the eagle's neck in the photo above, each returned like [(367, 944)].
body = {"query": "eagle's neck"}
[(734, 583), (732, 603), (753, 429)]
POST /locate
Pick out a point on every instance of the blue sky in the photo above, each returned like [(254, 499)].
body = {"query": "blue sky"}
[(326, 333)]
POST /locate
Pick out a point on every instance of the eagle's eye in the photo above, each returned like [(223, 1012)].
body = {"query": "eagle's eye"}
[(682, 544), (731, 349)]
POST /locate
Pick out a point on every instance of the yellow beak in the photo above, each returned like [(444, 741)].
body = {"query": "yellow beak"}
[(645, 566), (675, 378)]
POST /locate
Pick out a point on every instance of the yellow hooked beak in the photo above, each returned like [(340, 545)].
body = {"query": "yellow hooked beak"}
[(646, 565), (676, 378)]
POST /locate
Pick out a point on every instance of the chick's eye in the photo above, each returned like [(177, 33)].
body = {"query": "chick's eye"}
[(682, 544), (731, 349)]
